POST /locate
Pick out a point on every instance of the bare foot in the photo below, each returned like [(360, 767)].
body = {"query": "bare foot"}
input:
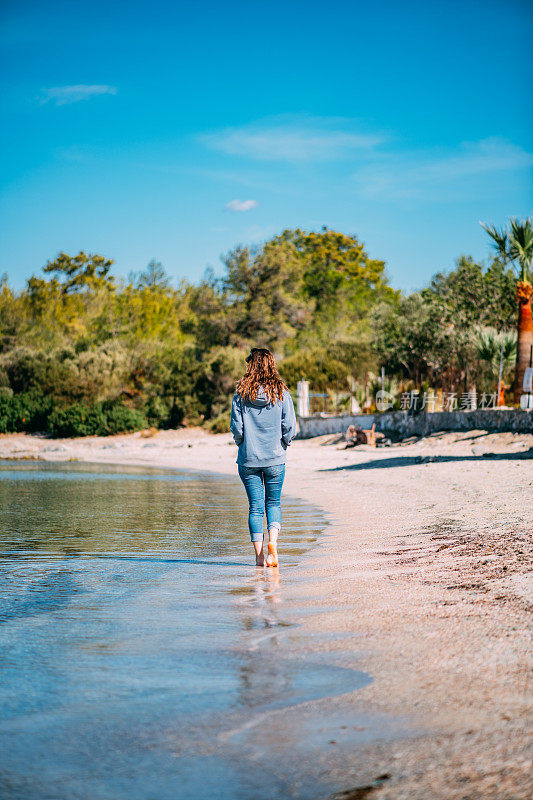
[(272, 558), (259, 553)]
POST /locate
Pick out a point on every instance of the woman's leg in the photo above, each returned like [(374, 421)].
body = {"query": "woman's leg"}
[(253, 483), (273, 477)]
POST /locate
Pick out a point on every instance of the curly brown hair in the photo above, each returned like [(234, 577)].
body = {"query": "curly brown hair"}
[(261, 372)]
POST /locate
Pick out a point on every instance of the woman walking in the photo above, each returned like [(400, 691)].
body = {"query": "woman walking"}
[(263, 423)]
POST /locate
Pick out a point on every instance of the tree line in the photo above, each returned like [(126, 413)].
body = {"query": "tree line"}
[(85, 352)]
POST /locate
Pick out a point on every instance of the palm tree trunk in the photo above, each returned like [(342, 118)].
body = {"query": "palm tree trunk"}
[(525, 335)]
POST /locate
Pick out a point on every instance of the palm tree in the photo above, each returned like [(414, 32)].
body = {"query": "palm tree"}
[(514, 245), (497, 350)]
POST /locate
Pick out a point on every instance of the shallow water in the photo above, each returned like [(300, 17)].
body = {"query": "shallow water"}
[(141, 649)]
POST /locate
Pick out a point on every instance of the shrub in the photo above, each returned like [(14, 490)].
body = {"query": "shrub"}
[(24, 368), (77, 420), (9, 421), (219, 371), (157, 413), (23, 412), (95, 420), (219, 424), (121, 419), (316, 366)]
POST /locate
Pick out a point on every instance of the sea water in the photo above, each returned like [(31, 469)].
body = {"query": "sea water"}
[(140, 646)]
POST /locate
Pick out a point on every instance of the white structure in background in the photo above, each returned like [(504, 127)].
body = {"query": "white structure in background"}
[(303, 399), (526, 400), (355, 408)]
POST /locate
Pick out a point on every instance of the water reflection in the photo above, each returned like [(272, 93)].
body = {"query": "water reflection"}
[(264, 677)]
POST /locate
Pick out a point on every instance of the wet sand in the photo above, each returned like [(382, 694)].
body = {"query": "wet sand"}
[(423, 580)]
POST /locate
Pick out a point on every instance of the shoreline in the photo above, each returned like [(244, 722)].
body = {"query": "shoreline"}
[(424, 572)]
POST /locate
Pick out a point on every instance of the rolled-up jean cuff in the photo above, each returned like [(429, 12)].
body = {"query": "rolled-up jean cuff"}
[(276, 525), (256, 537)]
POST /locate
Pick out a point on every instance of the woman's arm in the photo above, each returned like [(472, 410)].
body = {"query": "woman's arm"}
[(236, 424), (288, 419)]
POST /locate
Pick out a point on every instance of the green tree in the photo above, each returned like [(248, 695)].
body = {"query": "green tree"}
[(81, 272), (11, 316), (434, 331), (336, 266), (263, 291), (514, 246), (153, 276), (494, 348), (471, 295)]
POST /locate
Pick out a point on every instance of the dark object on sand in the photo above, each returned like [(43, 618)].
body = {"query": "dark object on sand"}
[(356, 435), (362, 792), (384, 442)]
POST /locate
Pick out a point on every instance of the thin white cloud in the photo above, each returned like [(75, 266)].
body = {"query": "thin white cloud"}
[(63, 95), (241, 205), (292, 139), (415, 174)]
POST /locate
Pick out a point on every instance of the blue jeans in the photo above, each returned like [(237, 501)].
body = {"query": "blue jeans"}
[(261, 483)]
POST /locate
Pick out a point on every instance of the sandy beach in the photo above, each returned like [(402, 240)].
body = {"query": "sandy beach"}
[(422, 580)]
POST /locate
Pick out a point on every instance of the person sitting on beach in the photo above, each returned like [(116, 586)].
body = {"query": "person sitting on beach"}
[(263, 424)]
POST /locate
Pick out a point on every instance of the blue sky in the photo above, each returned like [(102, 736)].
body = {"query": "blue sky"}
[(177, 130)]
